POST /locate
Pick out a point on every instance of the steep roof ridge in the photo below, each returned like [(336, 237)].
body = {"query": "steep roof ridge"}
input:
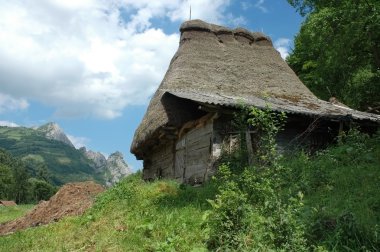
[(199, 25), (223, 66)]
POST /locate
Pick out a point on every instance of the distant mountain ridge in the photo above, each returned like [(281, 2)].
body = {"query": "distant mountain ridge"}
[(53, 131), (114, 167), (49, 145)]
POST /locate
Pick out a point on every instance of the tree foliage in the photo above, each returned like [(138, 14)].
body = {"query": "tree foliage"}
[(337, 51), (248, 211), (17, 183), (21, 185)]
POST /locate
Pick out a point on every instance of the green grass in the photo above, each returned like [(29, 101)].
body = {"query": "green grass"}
[(340, 209), (342, 196), (132, 216), (13, 212)]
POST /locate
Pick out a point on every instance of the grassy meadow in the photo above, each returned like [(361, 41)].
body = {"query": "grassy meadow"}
[(13, 212), (331, 201)]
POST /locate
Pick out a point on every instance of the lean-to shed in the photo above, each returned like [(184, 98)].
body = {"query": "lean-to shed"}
[(215, 70)]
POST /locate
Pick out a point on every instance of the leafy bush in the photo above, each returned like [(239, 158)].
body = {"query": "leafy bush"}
[(329, 201), (341, 210), (267, 124), (227, 221), (248, 212)]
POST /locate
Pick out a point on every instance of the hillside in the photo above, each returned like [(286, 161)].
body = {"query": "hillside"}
[(328, 202), (49, 146)]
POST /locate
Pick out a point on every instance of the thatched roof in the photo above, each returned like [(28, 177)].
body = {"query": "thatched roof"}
[(217, 65)]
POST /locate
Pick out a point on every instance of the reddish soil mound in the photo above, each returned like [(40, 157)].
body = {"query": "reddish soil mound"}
[(71, 199)]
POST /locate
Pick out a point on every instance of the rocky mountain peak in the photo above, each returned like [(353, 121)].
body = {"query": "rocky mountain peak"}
[(52, 131), (98, 159), (114, 168), (117, 168), (116, 155)]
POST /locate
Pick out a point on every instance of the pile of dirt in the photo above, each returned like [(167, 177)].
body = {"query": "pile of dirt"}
[(71, 199)]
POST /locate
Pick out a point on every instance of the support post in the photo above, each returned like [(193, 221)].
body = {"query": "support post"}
[(249, 147)]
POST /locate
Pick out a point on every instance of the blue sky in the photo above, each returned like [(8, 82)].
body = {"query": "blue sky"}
[(92, 65)]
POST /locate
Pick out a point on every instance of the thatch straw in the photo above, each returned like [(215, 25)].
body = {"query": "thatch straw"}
[(217, 61)]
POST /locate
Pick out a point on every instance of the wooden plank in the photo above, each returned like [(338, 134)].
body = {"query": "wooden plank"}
[(248, 140), (204, 145), (162, 162), (179, 164), (197, 170), (192, 162), (198, 157), (200, 142), (192, 151), (181, 143), (200, 131), (194, 139), (203, 153)]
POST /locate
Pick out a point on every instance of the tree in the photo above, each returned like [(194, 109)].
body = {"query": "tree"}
[(21, 185), (6, 182), (337, 51), (41, 189), (43, 173)]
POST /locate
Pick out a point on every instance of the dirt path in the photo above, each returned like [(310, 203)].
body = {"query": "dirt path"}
[(71, 199)]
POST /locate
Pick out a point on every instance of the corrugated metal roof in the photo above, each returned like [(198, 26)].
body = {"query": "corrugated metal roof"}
[(314, 107)]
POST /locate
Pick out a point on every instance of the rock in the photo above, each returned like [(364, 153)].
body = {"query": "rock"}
[(116, 168), (113, 169), (53, 131), (98, 159)]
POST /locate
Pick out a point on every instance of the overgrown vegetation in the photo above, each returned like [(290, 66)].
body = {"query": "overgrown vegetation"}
[(248, 211), (132, 216), (297, 202), (326, 202)]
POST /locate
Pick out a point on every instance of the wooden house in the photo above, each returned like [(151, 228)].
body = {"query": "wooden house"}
[(214, 71)]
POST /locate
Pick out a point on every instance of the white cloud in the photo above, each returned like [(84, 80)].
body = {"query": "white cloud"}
[(260, 5), (9, 124), (9, 103), (92, 57), (282, 45), (213, 10), (78, 142)]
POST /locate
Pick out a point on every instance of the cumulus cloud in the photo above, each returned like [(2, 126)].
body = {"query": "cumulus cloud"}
[(9, 103), (213, 10), (91, 57), (9, 124), (282, 45)]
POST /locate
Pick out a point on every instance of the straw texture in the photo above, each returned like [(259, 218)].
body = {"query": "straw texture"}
[(218, 65)]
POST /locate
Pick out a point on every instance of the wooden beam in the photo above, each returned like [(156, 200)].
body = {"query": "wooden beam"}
[(249, 147), (340, 132)]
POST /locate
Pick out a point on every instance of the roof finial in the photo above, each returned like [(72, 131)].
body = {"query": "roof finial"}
[(190, 13)]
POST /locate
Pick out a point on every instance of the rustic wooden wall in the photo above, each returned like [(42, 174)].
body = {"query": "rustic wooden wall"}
[(160, 163), (193, 153)]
